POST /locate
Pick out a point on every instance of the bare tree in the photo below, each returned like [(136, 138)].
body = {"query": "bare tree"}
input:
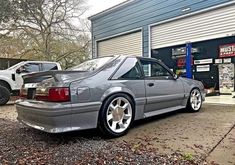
[(9, 46), (50, 29)]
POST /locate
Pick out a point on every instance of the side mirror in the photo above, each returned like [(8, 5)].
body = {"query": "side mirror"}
[(20, 70), (175, 76)]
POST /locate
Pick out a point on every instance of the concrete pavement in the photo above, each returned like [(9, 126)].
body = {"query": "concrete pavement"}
[(222, 99), (196, 134), (224, 152)]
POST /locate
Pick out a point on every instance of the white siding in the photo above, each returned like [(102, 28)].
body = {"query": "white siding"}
[(129, 44), (209, 25)]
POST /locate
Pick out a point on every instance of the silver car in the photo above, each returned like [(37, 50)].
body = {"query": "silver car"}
[(109, 93)]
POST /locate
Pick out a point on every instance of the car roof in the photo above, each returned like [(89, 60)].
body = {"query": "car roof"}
[(40, 61), (46, 62), (141, 57), (130, 56)]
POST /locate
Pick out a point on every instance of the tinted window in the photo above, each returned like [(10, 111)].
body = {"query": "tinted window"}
[(154, 69), (130, 69), (48, 66), (31, 67)]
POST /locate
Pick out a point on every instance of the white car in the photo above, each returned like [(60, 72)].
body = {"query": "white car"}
[(11, 78)]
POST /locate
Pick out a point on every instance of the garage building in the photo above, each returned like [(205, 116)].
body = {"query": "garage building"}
[(8, 62), (161, 29)]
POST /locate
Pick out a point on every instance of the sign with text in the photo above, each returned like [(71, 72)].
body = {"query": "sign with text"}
[(227, 50), (182, 51), (218, 61), (203, 68), (203, 61), (227, 60)]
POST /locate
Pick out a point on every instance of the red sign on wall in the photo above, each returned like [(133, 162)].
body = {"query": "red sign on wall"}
[(181, 62), (227, 50)]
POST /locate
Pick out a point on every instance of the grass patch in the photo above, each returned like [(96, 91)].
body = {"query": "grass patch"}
[(188, 156)]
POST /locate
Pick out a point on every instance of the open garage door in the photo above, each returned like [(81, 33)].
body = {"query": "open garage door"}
[(128, 44), (204, 26)]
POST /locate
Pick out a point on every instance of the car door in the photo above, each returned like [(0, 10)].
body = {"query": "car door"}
[(162, 89), (129, 76)]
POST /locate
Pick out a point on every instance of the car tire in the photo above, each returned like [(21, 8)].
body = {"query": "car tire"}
[(195, 101), (4, 95), (116, 115)]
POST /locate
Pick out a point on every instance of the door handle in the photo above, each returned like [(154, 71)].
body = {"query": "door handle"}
[(150, 84)]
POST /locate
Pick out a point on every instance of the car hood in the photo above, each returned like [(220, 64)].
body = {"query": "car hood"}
[(6, 72), (57, 76)]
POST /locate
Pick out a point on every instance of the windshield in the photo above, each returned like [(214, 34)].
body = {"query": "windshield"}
[(91, 65)]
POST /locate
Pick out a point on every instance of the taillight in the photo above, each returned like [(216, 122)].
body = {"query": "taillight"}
[(59, 95), (55, 94)]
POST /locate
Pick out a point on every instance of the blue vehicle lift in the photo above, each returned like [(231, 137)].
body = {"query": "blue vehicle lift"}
[(189, 60)]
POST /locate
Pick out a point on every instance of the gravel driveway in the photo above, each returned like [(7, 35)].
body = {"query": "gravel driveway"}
[(8, 112), (175, 138)]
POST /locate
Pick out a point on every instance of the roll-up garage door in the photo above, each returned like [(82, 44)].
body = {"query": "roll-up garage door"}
[(205, 26), (128, 44)]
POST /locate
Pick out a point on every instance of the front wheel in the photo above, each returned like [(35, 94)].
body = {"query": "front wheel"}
[(116, 115), (195, 101), (4, 95)]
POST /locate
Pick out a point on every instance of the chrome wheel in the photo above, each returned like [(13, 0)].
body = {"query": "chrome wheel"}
[(119, 114), (195, 99)]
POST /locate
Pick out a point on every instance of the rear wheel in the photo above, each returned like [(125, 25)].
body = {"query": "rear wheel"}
[(195, 101), (116, 115), (4, 95)]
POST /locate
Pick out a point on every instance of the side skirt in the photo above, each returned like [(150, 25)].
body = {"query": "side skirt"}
[(162, 111)]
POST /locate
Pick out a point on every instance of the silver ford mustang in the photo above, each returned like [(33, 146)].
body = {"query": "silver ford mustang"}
[(108, 93)]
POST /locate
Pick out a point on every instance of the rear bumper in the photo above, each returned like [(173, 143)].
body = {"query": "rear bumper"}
[(56, 118)]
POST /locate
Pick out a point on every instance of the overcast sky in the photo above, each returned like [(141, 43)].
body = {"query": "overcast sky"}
[(97, 6)]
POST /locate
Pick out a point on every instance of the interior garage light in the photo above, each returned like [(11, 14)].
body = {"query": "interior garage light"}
[(186, 9)]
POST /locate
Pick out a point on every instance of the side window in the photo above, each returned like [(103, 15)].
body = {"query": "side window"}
[(31, 67), (49, 66), (154, 69), (130, 69)]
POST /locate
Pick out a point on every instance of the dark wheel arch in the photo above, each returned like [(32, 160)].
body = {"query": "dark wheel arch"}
[(5, 84), (4, 95), (128, 94)]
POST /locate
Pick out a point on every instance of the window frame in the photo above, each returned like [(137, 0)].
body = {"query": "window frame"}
[(170, 77)]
